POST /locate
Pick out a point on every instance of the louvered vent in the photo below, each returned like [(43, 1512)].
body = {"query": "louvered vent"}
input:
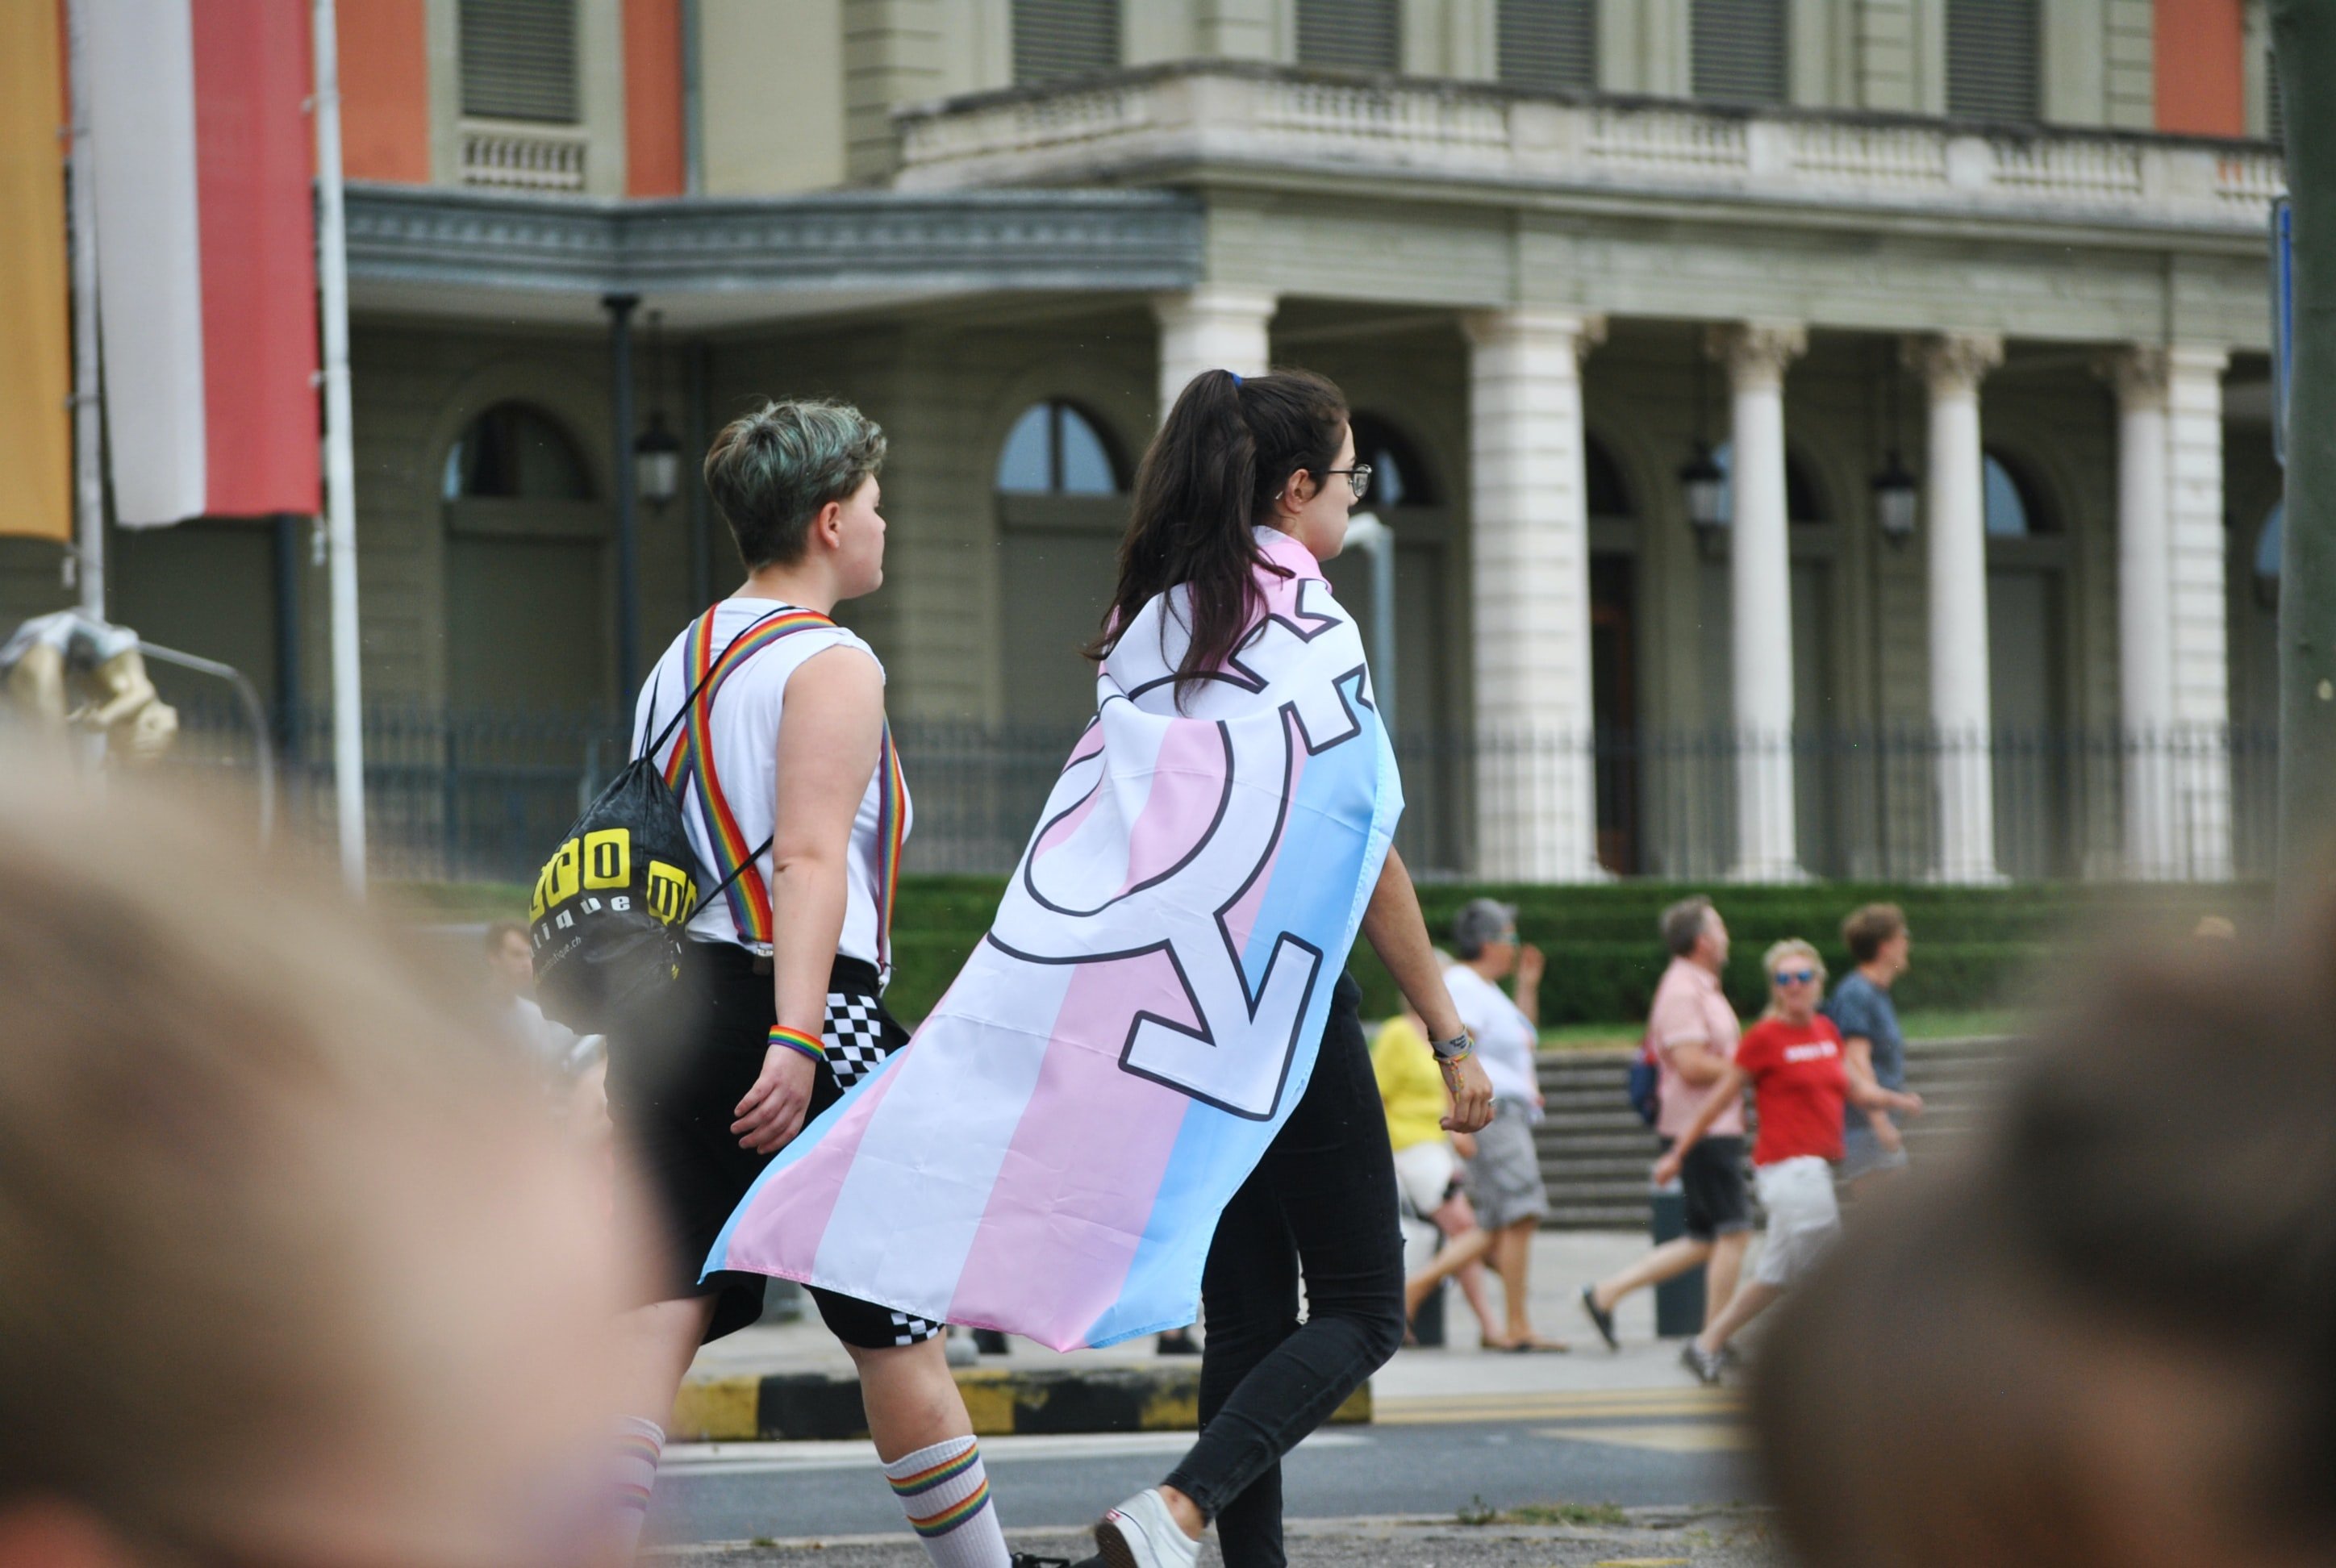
[(1351, 34), (519, 60), (1057, 38), (1992, 47), (2275, 115), (1548, 43), (1738, 50)]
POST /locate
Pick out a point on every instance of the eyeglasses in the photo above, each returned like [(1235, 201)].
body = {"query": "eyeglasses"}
[(1358, 478), (1796, 977)]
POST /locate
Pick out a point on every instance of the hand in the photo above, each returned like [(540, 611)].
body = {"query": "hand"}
[(773, 1111), (1464, 1145), (1472, 1095), (1667, 1169), (1886, 1134), (1910, 1105), (1530, 965)]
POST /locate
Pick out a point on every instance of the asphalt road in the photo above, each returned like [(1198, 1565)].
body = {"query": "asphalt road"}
[(1671, 1448)]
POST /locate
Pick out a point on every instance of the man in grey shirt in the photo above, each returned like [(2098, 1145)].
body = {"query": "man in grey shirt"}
[(1873, 1048)]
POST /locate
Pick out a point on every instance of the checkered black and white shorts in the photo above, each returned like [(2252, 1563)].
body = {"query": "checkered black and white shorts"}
[(859, 1035)]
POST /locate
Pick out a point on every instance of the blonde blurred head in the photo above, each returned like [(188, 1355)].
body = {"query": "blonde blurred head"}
[(291, 1267)]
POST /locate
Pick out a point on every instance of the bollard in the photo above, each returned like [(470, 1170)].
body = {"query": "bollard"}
[(1679, 1303)]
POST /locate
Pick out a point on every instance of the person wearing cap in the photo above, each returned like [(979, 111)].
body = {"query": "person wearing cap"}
[(1504, 1173)]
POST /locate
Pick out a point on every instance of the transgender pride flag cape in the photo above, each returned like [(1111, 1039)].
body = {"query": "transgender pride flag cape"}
[(1050, 1153)]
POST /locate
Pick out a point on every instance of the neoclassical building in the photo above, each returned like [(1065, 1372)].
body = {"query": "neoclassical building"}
[(1817, 437)]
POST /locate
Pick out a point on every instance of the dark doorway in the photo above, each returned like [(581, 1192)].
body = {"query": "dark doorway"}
[(1614, 709)]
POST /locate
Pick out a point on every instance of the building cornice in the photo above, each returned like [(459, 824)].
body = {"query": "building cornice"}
[(733, 259)]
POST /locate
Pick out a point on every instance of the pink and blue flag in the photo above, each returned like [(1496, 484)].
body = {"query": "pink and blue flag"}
[(1049, 1155)]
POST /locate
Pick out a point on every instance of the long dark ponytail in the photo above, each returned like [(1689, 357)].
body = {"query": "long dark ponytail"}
[(1208, 478)]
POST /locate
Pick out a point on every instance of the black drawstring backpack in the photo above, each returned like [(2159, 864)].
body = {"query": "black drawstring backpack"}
[(612, 903)]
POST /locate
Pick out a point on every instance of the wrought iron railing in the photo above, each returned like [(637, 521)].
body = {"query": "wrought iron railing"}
[(484, 794)]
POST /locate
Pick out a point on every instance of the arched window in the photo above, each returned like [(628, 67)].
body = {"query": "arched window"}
[(1398, 477), (2269, 543), (1054, 449), (514, 453), (1608, 495), (2012, 509), (1802, 498)]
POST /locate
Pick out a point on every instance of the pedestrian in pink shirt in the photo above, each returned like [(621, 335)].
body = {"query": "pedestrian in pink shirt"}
[(1691, 1033)]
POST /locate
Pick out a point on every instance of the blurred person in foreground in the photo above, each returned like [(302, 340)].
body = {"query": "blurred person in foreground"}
[(1428, 1166), (1873, 1049), (1792, 1061), (2110, 1338), (292, 1269), (1691, 1032), (577, 1066), (1505, 1180)]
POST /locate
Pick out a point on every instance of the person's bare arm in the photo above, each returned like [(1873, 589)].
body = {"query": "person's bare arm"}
[(1729, 1089), (1695, 1061), (1397, 932), (827, 752), (1857, 1061)]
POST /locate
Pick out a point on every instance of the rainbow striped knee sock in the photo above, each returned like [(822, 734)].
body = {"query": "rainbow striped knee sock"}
[(632, 1473), (945, 1493)]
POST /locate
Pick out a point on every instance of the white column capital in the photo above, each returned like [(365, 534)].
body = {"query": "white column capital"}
[(1954, 362), (2137, 373), (1755, 352), (1525, 324), (1212, 302)]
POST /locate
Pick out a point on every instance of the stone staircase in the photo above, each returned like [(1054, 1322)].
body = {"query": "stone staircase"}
[(1595, 1152)]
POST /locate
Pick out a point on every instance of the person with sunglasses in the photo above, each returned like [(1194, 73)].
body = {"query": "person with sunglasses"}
[(1792, 1062)]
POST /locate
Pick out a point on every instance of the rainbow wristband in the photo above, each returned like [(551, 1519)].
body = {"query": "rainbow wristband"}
[(796, 1040)]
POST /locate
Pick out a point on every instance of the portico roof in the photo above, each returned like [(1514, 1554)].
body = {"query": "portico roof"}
[(427, 252)]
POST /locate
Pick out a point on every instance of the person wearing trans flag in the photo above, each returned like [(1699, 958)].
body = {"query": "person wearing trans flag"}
[(1149, 1084), (767, 720)]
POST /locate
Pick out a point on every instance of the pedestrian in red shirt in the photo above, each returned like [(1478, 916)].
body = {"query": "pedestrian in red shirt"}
[(1792, 1061)]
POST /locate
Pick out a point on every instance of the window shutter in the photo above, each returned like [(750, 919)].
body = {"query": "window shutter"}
[(1548, 43), (1352, 35), (2274, 114), (1992, 47), (1736, 50), (1057, 38), (519, 60)]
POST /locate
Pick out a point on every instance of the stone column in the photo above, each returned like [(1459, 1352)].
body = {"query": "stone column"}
[(1956, 523), (2144, 603), (1760, 598), (1528, 570), (2197, 613), (1211, 328)]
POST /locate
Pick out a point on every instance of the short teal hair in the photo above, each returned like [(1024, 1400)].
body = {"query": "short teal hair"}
[(770, 471)]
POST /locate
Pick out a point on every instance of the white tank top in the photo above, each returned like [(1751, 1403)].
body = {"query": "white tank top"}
[(742, 723)]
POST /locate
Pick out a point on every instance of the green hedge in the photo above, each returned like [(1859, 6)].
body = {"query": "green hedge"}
[(1974, 947)]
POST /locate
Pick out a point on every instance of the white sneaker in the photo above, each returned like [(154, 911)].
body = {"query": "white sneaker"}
[(1142, 1533)]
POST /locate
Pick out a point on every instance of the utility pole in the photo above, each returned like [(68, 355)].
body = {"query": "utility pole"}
[(89, 482), (340, 461), (2303, 46)]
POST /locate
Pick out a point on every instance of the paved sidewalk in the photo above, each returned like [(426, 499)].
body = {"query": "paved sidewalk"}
[(1562, 1262)]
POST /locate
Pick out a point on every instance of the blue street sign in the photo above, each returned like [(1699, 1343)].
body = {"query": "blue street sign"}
[(2283, 321)]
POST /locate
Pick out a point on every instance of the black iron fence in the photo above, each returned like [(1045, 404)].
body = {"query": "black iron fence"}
[(484, 794)]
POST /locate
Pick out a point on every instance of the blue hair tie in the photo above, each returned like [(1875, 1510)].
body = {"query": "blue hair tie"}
[(1236, 375)]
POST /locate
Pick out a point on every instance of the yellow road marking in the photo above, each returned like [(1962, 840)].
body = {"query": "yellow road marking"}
[(1643, 1563), (1588, 1405)]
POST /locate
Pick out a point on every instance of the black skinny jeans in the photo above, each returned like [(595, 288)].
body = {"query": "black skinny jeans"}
[(1321, 1202)]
